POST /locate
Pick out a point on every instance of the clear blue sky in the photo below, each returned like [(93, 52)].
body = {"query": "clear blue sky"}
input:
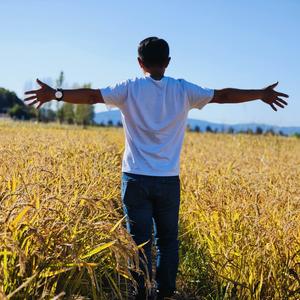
[(243, 44)]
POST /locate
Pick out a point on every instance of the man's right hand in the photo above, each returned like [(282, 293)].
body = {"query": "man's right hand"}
[(272, 97), (42, 95), (267, 95)]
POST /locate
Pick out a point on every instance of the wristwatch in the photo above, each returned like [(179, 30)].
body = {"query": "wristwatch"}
[(59, 94)]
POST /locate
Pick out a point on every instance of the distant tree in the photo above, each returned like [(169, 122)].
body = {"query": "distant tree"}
[(110, 123), (60, 115), (197, 128), (60, 80), (46, 115), (230, 130), (297, 135), (249, 131), (21, 112), (281, 133), (8, 99), (258, 130), (270, 131), (208, 129), (84, 114), (68, 111), (59, 111), (119, 124), (241, 131)]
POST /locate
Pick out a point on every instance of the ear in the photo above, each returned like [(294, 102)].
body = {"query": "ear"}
[(141, 62), (167, 62), (144, 68)]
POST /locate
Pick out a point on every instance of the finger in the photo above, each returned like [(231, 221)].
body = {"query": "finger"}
[(33, 102), (273, 106), (30, 98), (272, 86), (40, 104), (282, 94), (42, 84), (278, 104), (30, 92), (282, 101)]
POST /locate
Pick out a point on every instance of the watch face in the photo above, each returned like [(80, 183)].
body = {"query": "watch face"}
[(58, 94)]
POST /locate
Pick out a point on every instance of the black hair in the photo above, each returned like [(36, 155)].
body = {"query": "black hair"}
[(153, 51)]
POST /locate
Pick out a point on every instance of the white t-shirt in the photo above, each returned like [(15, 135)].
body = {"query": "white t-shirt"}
[(154, 115)]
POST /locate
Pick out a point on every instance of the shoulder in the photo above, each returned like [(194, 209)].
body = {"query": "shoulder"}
[(136, 81), (177, 81), (128, 81), (193, 87), (184, 82)]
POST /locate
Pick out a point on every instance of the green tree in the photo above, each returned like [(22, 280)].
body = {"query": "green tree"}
[(230, 130), (22, 112), (297, 135), (59, 111), (46, 115), (208, 129), (69, 113), (270, 131), (81, 114), (60, 115), (66, 113), (8, 99), (84, 113), (197, 128), (60, 80), (259, 130)]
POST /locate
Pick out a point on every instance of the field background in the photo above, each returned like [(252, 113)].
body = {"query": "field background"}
[(61, 233)]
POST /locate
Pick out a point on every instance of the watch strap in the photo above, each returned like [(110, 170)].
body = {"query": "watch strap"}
[(62, 94)]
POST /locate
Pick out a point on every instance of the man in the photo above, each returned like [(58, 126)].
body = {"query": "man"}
[(154, 111)]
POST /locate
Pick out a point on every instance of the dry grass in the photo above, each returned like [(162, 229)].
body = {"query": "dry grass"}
[(61, 230), (59, 215), (240, 214)]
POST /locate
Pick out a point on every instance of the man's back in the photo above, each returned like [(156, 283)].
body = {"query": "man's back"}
[(154, 114)]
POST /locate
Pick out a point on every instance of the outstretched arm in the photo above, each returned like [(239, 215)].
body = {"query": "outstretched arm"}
[(267, 95), (76, 96)]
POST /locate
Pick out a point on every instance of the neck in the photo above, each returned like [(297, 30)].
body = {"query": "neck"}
[(157, 76)]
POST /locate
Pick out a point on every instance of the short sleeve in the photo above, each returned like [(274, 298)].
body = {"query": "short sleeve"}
[(115, 95), (197, 96)]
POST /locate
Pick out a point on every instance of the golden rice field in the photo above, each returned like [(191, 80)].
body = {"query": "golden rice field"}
[(61, 226)]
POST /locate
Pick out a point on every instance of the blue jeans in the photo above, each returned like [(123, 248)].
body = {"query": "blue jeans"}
[(154, 200)]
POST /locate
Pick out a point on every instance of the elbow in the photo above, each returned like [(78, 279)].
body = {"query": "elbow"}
[(92, 99), (95, 97), (220, 96)]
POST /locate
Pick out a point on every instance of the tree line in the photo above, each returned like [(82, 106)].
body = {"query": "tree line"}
[(81, 114), (230, 130)]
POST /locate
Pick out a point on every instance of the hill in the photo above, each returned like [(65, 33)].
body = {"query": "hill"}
[(115, 117)]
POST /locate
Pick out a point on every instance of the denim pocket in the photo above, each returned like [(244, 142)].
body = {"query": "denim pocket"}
[(134, 194)]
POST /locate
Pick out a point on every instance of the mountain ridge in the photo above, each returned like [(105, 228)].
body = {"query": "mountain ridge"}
[(115, 117)]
